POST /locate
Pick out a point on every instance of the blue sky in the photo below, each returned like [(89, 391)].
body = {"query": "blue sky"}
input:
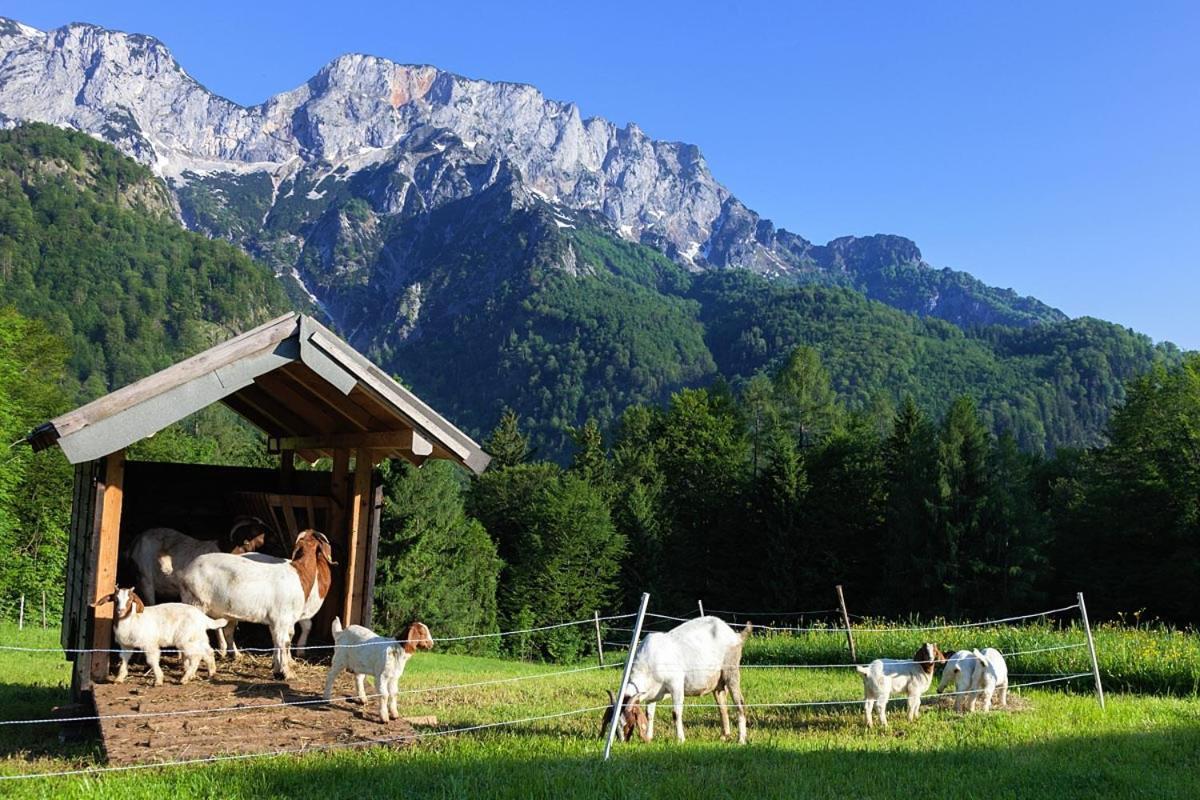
[(1050, 147)]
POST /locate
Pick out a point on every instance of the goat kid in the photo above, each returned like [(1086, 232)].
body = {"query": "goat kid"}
[(990, 677), (151, 628), (700, 656), (959, 673), (884, 677), (361, 651)]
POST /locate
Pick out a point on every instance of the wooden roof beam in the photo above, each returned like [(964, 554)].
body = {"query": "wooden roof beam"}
[(406, 441)]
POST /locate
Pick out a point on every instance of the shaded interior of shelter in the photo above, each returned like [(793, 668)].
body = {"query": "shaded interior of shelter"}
[(204, 501)]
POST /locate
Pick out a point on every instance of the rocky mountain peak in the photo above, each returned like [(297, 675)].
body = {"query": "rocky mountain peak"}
[(360, 112)]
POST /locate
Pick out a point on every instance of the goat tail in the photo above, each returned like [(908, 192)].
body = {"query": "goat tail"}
[(165, 563), (746, 631), (336, 627)]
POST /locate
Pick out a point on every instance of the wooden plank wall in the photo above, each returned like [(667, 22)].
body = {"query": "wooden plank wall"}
[(104, 564), (76, 626), (372, 549)]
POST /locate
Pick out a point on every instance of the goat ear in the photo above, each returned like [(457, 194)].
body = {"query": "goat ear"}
[(612, 700), (108, 598), (327, 550)]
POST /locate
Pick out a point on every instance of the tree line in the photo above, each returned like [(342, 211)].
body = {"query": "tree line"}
[(766, 496), (758, 496)]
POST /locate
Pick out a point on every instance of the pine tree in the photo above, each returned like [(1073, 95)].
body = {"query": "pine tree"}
[(435, 563), (506, 444), (962, 492), (805, 396), (910, 463), (590, 460), (780, 497)]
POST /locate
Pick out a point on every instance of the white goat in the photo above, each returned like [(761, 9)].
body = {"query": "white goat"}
[(160, 553), (884, 677), (990, 677), (702, 655), (363, 653), (960, 673), (149, 629), (311, 606), (275, 595)]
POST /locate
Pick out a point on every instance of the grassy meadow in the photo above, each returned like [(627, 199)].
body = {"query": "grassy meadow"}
[(1054, 740)]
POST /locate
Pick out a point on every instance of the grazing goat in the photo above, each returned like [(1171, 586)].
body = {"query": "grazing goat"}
[(960, 673), (884, 677), (990, 677), (702, 655), (160, 553), (275, 595), (151, 628), (363, 653)]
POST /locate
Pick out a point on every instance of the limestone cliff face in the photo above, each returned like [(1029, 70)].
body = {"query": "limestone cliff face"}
[(405, 140)]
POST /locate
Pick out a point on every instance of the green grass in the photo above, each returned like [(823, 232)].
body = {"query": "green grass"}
[(1154, 659), (1057, 743)]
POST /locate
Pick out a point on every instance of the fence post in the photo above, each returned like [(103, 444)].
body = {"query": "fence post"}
[(21, 618), (1091, 649), (599, 643), (633, 642), (846, 622), (701, 604), (43, 609)]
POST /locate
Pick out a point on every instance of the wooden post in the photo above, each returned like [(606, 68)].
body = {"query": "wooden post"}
[(338, 493), (108, 540), (846, 622), (339, 506), (633, 642), (287, 469), (701, 604), (357, 536), (599, 642), (1091, 649)]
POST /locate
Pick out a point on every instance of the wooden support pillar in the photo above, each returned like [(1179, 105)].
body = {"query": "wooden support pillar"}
[(357, 537), (104, 568), (339, 508), (287, 470), (338, 492)]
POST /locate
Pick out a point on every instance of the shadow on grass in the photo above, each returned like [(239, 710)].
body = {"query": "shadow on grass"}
[(21, 702), (1152, 764)]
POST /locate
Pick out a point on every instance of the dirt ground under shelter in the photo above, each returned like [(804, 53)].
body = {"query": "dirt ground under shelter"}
[(250, 721)]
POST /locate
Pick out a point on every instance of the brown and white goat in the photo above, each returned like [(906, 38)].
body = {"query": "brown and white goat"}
[(151, 628), (884, 677), (277, 595)]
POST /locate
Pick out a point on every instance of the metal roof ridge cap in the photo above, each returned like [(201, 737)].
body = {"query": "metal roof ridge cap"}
[(131, 388)]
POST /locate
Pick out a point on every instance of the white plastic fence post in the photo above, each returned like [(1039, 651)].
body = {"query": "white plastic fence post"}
[(21, 619), (599, 642), (43, 608), (701, 604), (1091, 649), (633, 642)]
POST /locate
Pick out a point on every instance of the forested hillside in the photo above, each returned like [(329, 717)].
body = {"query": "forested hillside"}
[(565, 321), (89, 243)]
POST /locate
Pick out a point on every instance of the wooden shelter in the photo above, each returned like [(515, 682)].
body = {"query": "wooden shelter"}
[(313, 395)]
